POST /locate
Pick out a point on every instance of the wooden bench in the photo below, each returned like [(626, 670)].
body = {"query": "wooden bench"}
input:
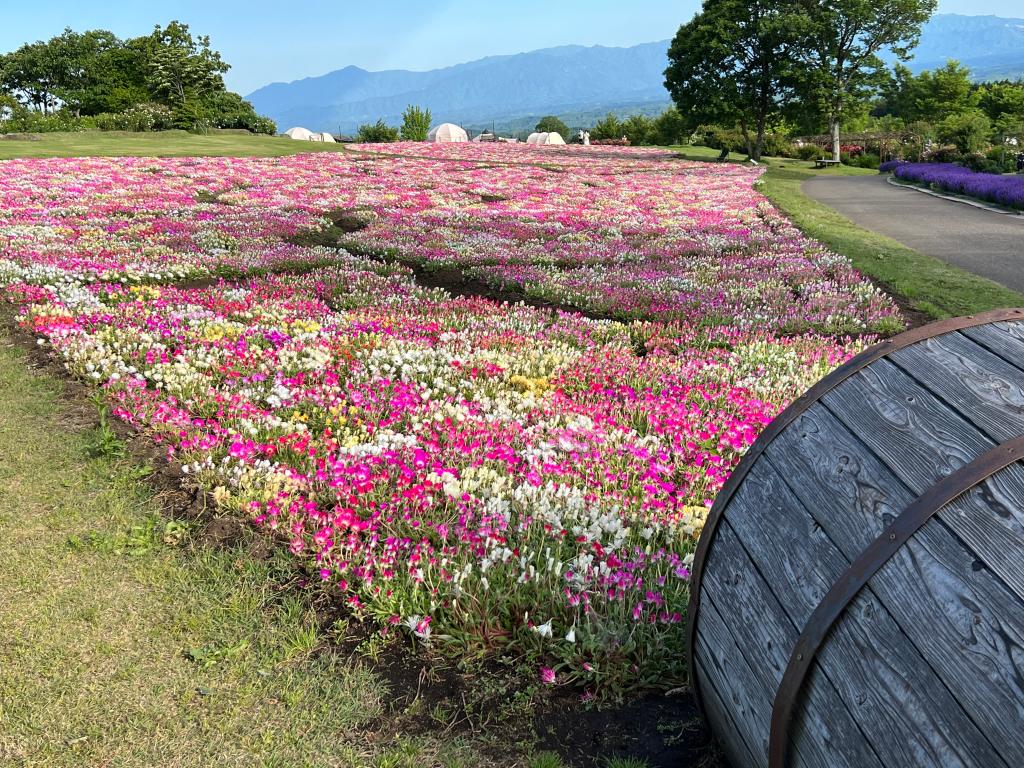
[(824, 162), (857, 594)]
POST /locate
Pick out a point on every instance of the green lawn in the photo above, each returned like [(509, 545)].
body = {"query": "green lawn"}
[(122, 644), (162, 144), (926, 284)]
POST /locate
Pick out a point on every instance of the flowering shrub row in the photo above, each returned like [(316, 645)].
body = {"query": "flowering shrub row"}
[(946, 177), (479, 475)]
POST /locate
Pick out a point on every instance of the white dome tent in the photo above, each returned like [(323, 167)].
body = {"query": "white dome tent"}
[(447, 133), (546, 138), (324, 136), (300, 134)]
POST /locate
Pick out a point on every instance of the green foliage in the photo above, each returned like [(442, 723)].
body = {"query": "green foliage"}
[(931, 95), (669, 128), (377, 133), (609, 127), (732, 64), (77, 76), (141, 117), (968, 131), (837, 65), (551, 123), (415, 123)]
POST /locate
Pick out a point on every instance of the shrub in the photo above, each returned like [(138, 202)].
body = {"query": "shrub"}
[(866, 160), (377, 133), (967, 131), (608, 128), (809, 152), (415, 124), (141, 117)]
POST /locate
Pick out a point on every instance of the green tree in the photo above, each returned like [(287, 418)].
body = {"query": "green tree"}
[(639, 129), (553, 124), (608, 128), (30, 74), (969, 131), (377, 133), (669, 128), (1002, 98), (731, 64), (942, 92), (839, 43), (415, 123), (183, 70)]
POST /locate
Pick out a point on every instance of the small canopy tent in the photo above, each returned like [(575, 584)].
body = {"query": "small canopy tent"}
[(299, 134), (325, 137), (447, 133)]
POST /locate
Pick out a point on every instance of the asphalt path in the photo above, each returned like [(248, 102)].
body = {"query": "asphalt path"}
[(983, 242)]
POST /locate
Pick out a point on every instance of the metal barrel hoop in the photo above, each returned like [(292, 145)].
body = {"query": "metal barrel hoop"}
[(778, 425), (861, 570)]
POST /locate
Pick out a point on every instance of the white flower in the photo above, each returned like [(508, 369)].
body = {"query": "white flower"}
[(570, 636), (544, 630)]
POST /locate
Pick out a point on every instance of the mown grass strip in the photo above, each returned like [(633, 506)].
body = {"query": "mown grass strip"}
[(123, 644)]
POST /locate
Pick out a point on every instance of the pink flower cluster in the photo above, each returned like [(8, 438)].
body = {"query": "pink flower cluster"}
[(468, 471)]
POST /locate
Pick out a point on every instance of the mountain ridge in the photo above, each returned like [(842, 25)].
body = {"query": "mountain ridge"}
[(574, 80)]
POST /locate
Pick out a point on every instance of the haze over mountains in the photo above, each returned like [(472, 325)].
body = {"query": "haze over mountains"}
[(575, 82)]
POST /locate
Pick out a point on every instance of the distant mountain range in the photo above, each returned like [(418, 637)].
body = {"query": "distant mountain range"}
[(575, 82), (992, 47)]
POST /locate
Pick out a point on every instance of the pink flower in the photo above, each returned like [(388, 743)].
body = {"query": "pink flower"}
[(547, 675)]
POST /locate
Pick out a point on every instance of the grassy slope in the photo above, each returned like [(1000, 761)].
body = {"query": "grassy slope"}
[(166, 143), (929, 285), (120, 646)]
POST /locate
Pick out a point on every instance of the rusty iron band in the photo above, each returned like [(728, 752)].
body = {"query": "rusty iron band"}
[(856, 577), (783, 420)]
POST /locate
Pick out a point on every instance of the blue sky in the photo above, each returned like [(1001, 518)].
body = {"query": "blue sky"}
[(290, 39)]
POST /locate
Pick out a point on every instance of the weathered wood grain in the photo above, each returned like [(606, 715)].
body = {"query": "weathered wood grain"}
[(1003, 339), (965, 622), (727, 734), (765, 635), (905, 425), (982, 387), (877, 671)]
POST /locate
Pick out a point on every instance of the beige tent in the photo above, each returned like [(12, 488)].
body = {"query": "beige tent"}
[(325, 137), (554, 137), (447, 133), (300, 134)]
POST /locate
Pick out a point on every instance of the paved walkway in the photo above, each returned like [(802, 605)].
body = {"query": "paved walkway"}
[(986, 243)]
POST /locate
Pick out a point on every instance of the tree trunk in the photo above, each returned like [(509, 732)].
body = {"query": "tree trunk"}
[(746, 138), (758, 143), (833, 129)]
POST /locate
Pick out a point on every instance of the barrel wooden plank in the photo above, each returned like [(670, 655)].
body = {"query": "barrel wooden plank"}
[(728, 673), (965, 622), (736, 751), (887, 686), (831, 738), (889, 395), (1002, 339), (906, 426), (990, 520), (984, 388)]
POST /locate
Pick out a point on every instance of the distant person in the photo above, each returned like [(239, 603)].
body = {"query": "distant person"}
[(1020, 162)]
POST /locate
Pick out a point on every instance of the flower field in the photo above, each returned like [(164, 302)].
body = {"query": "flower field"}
[(481, 476), (1004, 190)]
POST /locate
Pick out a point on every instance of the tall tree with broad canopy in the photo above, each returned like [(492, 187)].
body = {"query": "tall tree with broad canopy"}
[(731, 64), (837, 55)]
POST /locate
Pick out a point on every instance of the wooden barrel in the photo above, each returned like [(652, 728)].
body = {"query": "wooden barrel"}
[(858, 591)]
